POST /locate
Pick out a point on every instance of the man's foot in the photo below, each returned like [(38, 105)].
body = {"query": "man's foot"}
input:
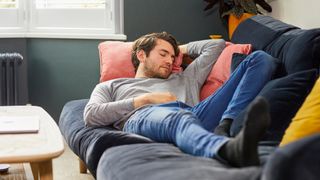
[(223, 129), (242, 150)]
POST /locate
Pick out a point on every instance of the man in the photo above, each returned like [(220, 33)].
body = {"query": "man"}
[(165, 107)]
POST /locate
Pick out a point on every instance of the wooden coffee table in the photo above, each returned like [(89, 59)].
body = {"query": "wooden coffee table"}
[(38, 149)]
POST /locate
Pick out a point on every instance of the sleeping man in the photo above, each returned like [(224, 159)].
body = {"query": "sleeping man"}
[(165, 107)]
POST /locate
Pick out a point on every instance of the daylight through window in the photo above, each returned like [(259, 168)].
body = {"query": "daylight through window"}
[(102, 19)]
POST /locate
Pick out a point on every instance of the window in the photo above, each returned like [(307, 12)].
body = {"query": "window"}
[(102, 19), (8, 4), (11, 16)]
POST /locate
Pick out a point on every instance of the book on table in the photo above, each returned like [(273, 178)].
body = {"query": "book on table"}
[(19, 124)]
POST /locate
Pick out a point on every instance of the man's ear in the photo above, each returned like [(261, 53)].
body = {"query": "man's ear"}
[(141, 55)]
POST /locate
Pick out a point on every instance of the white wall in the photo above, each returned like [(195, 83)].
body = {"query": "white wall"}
[(301, 13)]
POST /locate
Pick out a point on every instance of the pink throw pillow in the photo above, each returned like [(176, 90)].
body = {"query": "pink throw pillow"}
[(220, 72), (115, 60)]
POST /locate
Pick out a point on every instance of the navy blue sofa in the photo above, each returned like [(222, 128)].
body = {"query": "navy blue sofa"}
[(110, 154)]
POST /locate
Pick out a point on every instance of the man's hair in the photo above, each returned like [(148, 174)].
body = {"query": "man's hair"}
[(148, 42)]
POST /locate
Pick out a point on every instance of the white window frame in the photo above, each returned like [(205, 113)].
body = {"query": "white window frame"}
[(13, 20), (32, 23)]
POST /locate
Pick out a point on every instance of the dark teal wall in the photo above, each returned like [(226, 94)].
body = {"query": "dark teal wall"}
[(185, 19), (60, 70)]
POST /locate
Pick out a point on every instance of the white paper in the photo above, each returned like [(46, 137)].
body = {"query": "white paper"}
[(19, 124)]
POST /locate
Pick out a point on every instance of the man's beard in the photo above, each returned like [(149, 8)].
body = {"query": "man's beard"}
[(151, 73)]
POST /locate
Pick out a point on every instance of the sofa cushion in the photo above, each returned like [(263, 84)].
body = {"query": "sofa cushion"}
[(307, 120), (263, 31), (285, 96), (297, 49), (220, 72), (115, 60), (159, 161), (295, 161), (237, 58)]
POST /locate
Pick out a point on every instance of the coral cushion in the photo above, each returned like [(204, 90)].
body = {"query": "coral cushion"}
[(221, 70), (307, 120), (115, 60)]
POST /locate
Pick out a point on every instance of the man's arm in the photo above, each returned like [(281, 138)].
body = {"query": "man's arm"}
[(206, 53), (186, 59), (183, 49), (101, 110), (153, 98)]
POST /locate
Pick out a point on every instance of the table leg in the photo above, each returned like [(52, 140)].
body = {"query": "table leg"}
[(42, 169), (45, 170), (35, 170)]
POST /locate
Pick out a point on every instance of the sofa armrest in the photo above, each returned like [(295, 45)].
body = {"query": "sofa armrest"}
[(295, 161), (90, 142)]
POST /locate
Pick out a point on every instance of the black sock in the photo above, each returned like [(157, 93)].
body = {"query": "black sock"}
[(223, 129), (241, 151)]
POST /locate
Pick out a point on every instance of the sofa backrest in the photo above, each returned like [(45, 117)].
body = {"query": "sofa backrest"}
[(298, 49), (299, 53)]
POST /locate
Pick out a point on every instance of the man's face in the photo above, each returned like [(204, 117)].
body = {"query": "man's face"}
[(159, 62)]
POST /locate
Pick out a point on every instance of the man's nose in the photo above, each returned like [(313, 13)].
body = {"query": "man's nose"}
[(170, 61)]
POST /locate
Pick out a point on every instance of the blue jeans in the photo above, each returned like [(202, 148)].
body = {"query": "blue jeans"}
[(190, 128)]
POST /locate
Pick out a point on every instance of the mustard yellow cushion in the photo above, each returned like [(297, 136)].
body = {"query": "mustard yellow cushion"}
[(307, 120)]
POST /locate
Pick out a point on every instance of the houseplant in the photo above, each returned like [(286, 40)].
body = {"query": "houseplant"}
[(237, 10)]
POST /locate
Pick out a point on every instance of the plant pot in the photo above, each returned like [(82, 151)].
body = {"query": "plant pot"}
[(233, 22)]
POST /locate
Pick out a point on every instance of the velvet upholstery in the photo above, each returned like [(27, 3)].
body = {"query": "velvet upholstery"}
[(159, 161), (285, 96), (143, 159), (298, 50), (90, 142), (306, 122), (295, 161)]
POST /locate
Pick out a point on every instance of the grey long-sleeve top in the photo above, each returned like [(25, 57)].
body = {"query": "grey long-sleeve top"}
[(112, 100)]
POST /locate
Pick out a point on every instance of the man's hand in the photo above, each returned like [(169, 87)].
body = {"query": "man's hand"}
[(153, 98), (186, 59), (183, 49)]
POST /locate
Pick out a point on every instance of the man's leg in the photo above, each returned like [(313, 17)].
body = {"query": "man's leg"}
[(169, 123), (241, 88), (183, 128), (241, 151)]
